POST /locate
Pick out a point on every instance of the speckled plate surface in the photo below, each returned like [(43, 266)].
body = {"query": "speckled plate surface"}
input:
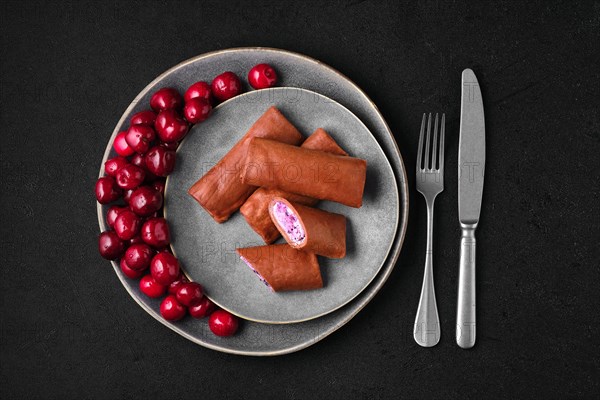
[(207, 249), (295, 70)]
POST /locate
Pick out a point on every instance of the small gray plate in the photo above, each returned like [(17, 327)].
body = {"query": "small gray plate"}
[(294, 70), (207, 249)]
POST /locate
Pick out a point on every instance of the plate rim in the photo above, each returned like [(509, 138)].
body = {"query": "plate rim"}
[(403, 179), (396, 209)]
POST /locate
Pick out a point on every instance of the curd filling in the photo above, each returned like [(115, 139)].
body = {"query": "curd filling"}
[(288, 221), (257, 273)]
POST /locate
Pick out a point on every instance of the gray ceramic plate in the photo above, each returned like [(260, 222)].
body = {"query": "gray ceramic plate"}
[(298, 71), (207, 249)]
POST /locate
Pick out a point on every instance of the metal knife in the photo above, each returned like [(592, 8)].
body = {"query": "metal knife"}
[(471, 167)]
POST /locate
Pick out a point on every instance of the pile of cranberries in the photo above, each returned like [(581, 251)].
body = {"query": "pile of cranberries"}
[(135, 181)]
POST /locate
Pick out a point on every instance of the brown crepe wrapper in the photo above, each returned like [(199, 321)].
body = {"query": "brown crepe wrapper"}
[(325, 232), (256, 209), (283, 267), (220, 190), (306, 172)]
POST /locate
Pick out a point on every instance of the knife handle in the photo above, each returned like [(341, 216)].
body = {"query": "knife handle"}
[(465, 311)]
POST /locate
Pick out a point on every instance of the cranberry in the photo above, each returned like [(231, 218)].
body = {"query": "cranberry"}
[(223, 323), (178, 282), (226, 86), (140, 137), (151, 288), (262, 76), (112, 166), (127, 195), (146, 117), (127, 224), (169, 146), (145, 201), (155, 232), (201, 308), (140, 160), (107, 190), (159, 185), (160, 161), (128, 272), (165, 99), (137, 239), (130, 176), (170, 126), (121, 146), (198, 90), (110, 246), (112, 213), (171, 309), (197, 110), (164, 267), (138, 256), (189, 293)]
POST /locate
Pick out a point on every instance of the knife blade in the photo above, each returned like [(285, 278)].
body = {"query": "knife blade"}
[(471, 169)]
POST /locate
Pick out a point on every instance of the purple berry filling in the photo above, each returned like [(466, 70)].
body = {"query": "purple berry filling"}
[(287, 220), (256, 272)]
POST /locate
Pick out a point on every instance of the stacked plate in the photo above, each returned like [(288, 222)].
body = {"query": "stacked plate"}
[(311, 95)]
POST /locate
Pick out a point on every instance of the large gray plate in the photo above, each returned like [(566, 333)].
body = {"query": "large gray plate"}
[(298, 71), (207, 249)]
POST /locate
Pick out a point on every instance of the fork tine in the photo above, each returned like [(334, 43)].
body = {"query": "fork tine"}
[(420, 152), (427, 142), (434, 155), (442, 136)]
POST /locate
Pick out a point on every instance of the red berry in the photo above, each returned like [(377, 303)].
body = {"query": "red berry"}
[(112, 166), (140, 160), (202, 308), (226, 86), (160, 161), (145, 201), (112, 213), (130, 176), (223, 323), (178, 282), (198, 90), (146, 117), (110, 246), (189, 293), (155, 232), (127, 225), (137, 239), (151, 288), (169, 146), (171, 309), (197, 110), (159, 185), (107, 190), (262, 76), (140, 137), (128, 272), (138, 256), (164, 267), (165, 99), (121, 146), (170, 126), (127, 195)]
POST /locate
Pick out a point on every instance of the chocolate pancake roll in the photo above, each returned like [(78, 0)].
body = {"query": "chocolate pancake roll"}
[(282, 267), (310, 229), (220, 190), (307, 172), (256, 209)]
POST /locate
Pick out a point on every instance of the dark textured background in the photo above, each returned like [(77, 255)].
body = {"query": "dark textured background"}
[(68, 328)]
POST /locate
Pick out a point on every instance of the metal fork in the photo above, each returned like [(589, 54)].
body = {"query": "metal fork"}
[(430, 183)]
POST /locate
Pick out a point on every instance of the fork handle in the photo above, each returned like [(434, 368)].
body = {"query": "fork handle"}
[(465, 311)]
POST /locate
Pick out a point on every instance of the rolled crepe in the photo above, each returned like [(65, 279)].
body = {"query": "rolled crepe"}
[(307, 172), (256, 209), (282, 267), (310, 229), (220, 190)]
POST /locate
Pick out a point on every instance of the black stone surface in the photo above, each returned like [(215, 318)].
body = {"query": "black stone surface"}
[(68, 71)]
